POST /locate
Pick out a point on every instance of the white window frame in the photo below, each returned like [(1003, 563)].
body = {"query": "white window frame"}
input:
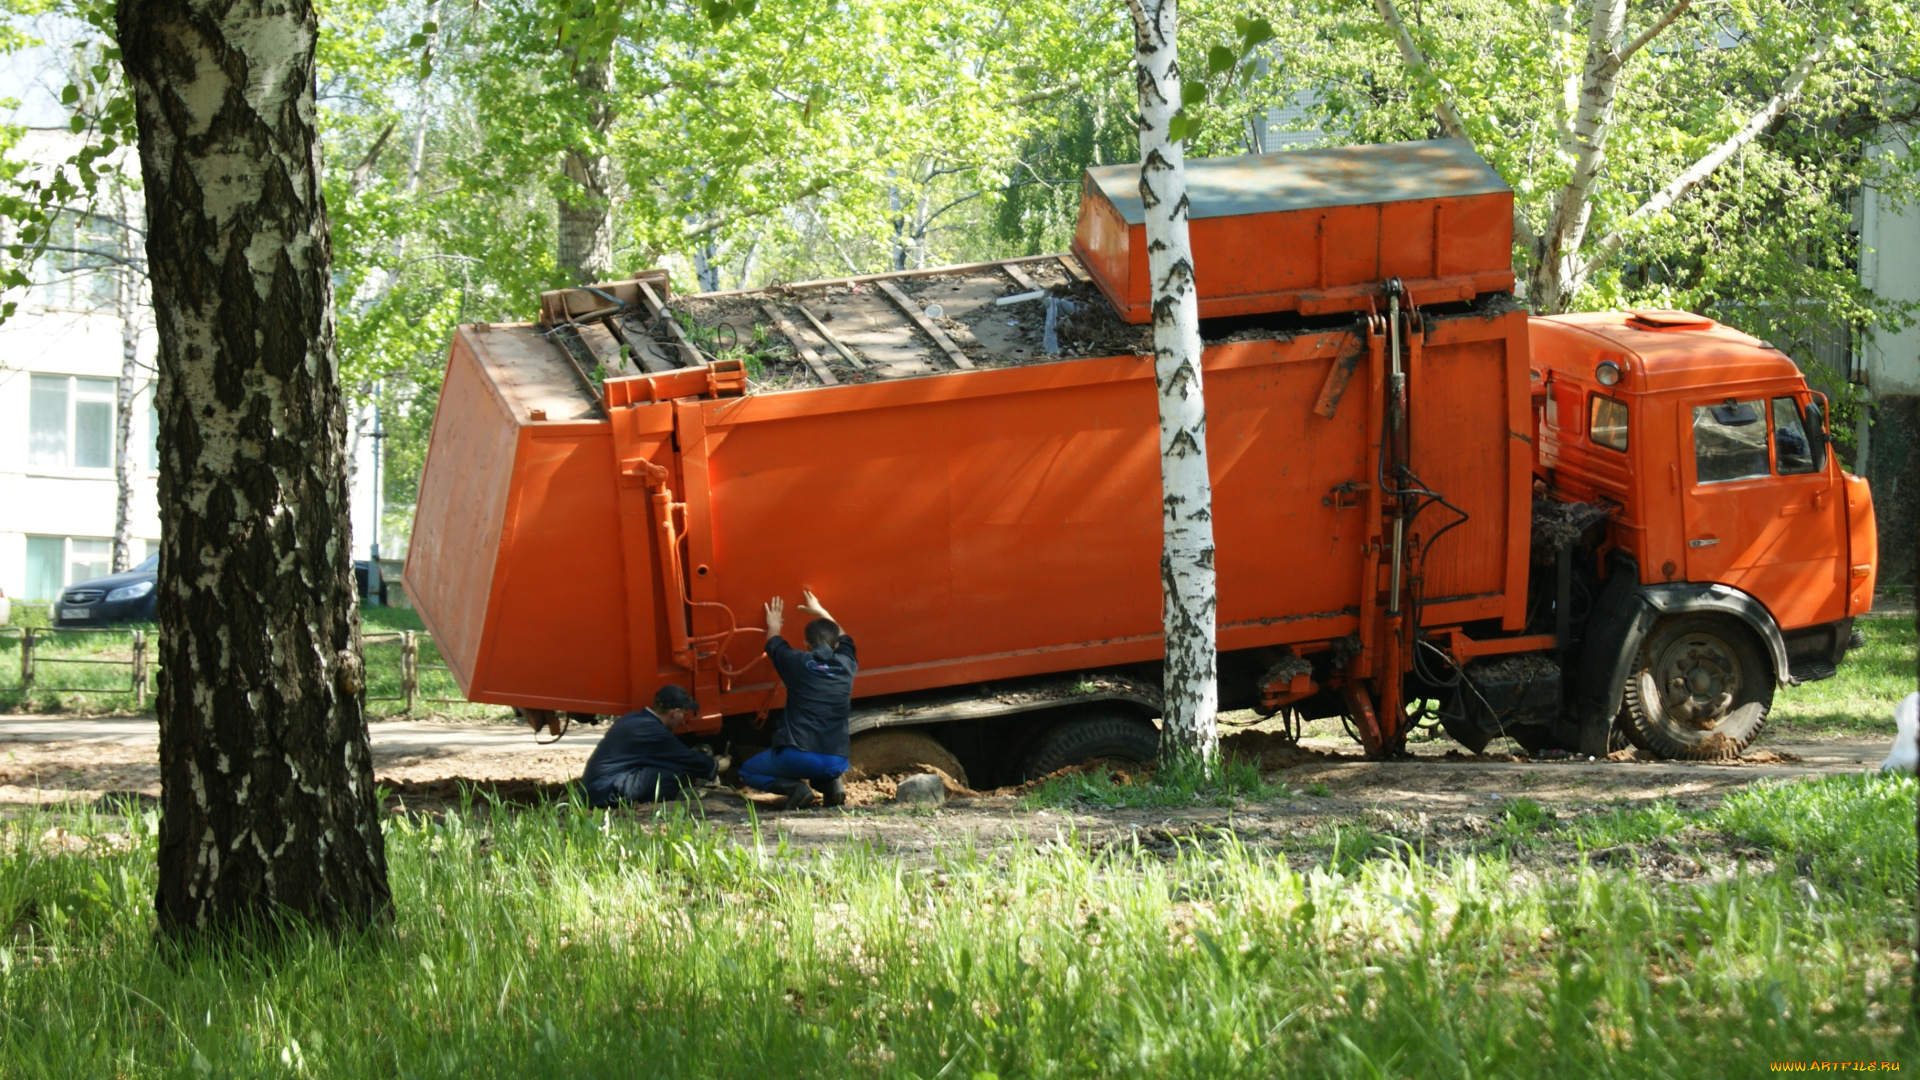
[(75, 395)]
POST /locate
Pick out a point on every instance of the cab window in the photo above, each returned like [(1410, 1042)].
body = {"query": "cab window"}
[(1730, 441), (1608, 426), (1792, 452)]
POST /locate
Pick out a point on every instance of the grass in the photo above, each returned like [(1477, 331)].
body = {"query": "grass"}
[(1859, 700), (558, 941), (106, 688)]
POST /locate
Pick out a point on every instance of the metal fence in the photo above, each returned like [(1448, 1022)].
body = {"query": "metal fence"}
[(410, 668), (41, 666), (32, 638)]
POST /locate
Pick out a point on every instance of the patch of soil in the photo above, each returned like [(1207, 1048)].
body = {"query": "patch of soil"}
[(1270, 750)]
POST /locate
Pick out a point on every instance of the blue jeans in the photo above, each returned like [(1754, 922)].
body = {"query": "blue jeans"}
[(786, 763)]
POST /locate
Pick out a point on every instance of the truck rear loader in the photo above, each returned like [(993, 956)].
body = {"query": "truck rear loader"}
[(1578, 531)]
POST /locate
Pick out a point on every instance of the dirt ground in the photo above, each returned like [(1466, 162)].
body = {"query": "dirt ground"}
[(1441, 795)]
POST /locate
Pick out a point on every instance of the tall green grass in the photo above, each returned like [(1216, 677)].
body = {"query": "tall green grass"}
[(560, 941), (1859, 699)]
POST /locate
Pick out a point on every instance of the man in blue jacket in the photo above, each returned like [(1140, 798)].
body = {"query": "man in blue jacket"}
[(640, 760), (810, 739)]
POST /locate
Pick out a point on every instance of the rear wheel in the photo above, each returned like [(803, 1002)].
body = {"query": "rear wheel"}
[(883, 753), (1700, 689), (1128, 739)]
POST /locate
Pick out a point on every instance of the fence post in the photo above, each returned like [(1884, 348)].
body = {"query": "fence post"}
[(139, 668), (26, 664), (409, 668)]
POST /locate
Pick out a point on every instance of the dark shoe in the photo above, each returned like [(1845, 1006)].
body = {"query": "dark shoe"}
[(836, 793), (799, 795)]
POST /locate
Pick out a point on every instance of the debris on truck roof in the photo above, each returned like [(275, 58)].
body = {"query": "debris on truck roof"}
[(872, 328)]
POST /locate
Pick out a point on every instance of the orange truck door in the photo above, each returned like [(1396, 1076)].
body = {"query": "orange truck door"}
[(1758, 515)]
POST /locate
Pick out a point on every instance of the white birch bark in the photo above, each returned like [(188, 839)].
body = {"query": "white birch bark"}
[(1190, 687), (126, 303), (267, 810)]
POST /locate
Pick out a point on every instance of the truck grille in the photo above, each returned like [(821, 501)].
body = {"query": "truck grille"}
[(82, 596)]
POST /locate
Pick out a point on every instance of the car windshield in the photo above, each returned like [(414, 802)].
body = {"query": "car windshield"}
[(151, 562)]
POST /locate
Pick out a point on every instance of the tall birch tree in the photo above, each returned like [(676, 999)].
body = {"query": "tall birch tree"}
[(1190, 687), (267, 799)]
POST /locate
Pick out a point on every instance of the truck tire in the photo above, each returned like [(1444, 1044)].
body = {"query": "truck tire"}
[(1094, 738), (1700, 689), (883, 753)]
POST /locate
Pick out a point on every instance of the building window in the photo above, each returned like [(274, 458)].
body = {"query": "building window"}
[(46, 567), (70, 422), (55, 562), (88, 559)]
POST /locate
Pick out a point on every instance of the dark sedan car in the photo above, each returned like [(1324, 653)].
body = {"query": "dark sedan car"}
[(128, 597), (117, 598)]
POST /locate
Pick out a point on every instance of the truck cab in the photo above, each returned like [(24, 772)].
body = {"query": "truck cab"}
[(1737, 551)]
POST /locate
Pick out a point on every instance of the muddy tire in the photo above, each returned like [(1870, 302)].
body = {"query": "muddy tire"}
[(884, 753), (1700, 689), (1097, 738)]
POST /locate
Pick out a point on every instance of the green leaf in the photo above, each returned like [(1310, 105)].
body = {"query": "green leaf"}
[(1192, 93), (69, 95), (416, 41), (1255, 32), (1220, 60), (430, 28)]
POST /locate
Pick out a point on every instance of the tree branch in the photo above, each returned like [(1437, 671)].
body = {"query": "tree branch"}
[(723, 220), (1417, 61), (1067, 87), (1699, 171), (372, 157), (1655, 30)]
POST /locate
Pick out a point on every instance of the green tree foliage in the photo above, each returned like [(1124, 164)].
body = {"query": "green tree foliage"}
[(1764, 241)]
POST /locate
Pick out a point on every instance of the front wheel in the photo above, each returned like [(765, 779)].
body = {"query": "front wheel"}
[(1699, 690)]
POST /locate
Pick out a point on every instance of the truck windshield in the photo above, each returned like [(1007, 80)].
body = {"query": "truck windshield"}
[(1730, 441)]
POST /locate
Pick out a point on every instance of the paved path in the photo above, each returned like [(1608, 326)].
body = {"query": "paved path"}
[(388, 736)]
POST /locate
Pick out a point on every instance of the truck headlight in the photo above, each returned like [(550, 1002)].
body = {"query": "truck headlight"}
[(1607, 373), (130, 592)]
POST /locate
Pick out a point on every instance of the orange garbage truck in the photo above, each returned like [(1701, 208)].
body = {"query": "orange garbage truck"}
[(1430, 509)]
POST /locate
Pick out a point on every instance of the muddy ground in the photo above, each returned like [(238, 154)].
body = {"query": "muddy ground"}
[(1440, 800)]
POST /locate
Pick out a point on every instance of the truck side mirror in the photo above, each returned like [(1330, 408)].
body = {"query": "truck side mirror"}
[(1817, 437)]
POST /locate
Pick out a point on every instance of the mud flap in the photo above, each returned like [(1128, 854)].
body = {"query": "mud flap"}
[(1621, 618)]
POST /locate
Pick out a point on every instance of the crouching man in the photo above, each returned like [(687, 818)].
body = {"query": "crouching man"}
[(810, 741), (640, 761)]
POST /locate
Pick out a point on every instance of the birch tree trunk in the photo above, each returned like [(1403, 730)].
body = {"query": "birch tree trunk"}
[(1186, 561), (126, 303), (267, 798), (586, 211)]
